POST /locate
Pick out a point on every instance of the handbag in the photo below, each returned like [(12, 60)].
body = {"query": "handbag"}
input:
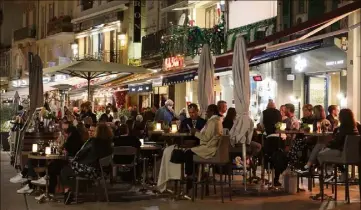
[(177, 155)]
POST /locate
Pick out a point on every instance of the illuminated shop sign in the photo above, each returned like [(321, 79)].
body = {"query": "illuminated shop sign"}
[(172, 63), (140, 88), (257, 78), (332, 63)]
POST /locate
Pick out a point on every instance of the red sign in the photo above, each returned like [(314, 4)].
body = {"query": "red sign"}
[(257, 78), (176, 62)]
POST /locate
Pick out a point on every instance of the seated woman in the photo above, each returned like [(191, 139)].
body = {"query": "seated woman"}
[(209, 139), (319, 121), (86, 162), (71, 146), (28, 173), (125, 140), (347, 127)]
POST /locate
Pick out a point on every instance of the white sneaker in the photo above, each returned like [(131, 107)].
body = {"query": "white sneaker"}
[(40, 197), (40, 181), (25, 190), (18, 179)]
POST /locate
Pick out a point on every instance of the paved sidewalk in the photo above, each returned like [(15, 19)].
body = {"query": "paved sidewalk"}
[(10, 200)]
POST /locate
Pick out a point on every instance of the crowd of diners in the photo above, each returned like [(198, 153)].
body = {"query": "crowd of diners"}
[(85, 139)]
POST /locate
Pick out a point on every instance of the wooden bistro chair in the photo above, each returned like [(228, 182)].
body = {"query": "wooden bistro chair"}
[(350, 157), (220, 159)]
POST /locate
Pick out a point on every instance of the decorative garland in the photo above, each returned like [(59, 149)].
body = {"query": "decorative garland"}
[(188, 40)]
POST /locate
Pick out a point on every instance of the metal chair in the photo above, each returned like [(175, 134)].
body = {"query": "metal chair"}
[(103, 162), (220, 159), (127, 151), (349, 156)]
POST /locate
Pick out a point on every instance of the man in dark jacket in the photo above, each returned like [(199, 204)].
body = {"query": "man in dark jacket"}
[(106, 117)]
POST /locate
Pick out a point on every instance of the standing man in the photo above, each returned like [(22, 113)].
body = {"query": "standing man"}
[(106, 117), (165, 113), (222, 108)]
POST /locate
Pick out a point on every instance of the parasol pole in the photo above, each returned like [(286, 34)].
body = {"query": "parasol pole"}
[(88, 78)]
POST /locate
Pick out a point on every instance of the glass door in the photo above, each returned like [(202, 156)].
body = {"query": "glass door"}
[(317, 93)]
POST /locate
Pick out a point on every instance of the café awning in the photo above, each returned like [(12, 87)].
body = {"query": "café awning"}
[(314, 25), (180, 78)]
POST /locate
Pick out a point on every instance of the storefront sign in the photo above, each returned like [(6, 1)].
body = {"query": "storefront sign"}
[(257, 78), (172, 63), (140, 88), (137, 29), (157, 82), (104, 19), (179, 78), (332, 63)]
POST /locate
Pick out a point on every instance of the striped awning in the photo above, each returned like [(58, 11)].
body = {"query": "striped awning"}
[(180, 78)]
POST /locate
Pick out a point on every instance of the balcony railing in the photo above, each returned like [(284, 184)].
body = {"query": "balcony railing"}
[(58, 25), (24, 33), (151, 44), (105, 56), (184, 40)]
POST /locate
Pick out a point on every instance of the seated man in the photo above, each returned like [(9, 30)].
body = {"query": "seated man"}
[(194, 121)]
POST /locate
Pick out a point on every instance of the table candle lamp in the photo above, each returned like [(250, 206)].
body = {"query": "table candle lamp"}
[(35, 148), (283, 127), (158, 127), (47, 151), (310, 126), (141, 141), (174, 128)]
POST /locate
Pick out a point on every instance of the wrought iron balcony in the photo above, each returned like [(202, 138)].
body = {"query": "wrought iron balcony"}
[(183, 40), (58, 25), (151, 44), (25, 33), (105, 56)]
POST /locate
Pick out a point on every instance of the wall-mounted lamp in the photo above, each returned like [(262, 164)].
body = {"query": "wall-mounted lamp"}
[(300, 63), (123, 39), (74, 48)]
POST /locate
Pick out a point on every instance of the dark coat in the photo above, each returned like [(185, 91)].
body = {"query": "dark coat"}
[(93, 150)]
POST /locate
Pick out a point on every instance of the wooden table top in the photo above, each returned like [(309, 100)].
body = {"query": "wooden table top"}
[(46, 157), (150, 147), (176, 134), (290, 132), (319, 134)]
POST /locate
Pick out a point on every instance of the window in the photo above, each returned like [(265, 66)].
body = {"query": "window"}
[(51, 11), (86, 4), (301, 6), (211, 16), (43, 22)]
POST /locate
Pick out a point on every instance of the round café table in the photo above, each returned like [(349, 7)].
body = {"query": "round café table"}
[(47, 158)]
